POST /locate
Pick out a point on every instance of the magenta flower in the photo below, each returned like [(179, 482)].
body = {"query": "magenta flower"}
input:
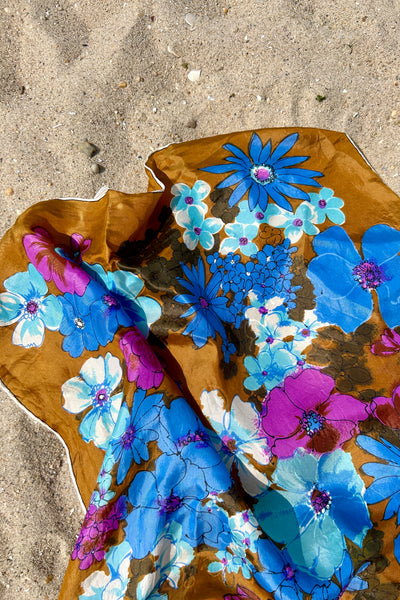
[(142, 364), (388, 344), (387, 410), (60, 264), (306, 414), (97, 528)]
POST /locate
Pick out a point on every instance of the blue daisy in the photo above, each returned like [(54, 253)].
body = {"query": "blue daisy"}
[(209, 309), (264, 174)]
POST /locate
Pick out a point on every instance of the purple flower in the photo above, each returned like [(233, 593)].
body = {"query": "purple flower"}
[(305, 413), (97, 528), (61, 264), (142, 364)]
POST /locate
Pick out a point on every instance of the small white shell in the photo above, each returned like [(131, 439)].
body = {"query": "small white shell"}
[(194, 75), (191, 19)]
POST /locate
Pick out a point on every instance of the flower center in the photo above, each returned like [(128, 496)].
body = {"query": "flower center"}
[(305, 332), (269, 339), (320, 500), (110, 300), (101, 398), (322, 203), (197, 230), (262, 174), (228, 445), (288, 572), (297, 222), (243, 241), (203, 302), (197, 436), (189, 200), (80, 323), (262, 310), (259, 216), (312, 422), (32, 307), (264, 373), (368, 274), (170, 504)]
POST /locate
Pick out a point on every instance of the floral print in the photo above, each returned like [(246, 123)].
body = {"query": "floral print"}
[(227, 375)]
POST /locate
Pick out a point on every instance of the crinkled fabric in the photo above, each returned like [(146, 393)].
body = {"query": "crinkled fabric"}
[(220, 355)]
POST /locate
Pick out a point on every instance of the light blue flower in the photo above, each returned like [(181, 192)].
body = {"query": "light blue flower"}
[(344, 281), (306, 331), (173, 554), (250, 217), (184, 196), (240, 237), (25, 303), (103, 494), (197, 228), (326, 205), (271, 327), (97, 380), (270, 367), (319, 503), (265, 174), (100, 586), (294, 225)]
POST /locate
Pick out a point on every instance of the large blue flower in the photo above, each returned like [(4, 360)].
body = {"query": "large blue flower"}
[(321, 502), (386, 484), (175, 491), (134, 431), (183, 433), (209, 309), (25, 303), (76, 324), (265, 175), (343, 280)]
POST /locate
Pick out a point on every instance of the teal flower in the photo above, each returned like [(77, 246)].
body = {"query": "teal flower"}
[(197, 228), (270, 367), (240, 237), (25, 303), (319, 503), (294, 225), (326, 205), (184, 196)]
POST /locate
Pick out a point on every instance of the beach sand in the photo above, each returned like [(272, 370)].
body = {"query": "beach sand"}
[(116, 73)]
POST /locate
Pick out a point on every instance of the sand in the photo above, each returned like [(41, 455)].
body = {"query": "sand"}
[(116, 73)]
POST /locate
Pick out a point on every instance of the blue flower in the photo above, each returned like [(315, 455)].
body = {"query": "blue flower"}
[(76, 324), (328, 206), (173, 492), (386, 484), (215, 261), (265, 175), (209, 309), (94, 387), (294, 225), (99, 586), (103, 494), (183, 433), (25, 303), (270, 367), (343, 280), (118, 304), (249, 217), (240, 238), (197, 228), (280, 575), (184, 196), (321, 502), (134, 431)]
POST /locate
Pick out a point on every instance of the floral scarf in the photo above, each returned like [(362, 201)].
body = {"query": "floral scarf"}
[(221, 357)]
